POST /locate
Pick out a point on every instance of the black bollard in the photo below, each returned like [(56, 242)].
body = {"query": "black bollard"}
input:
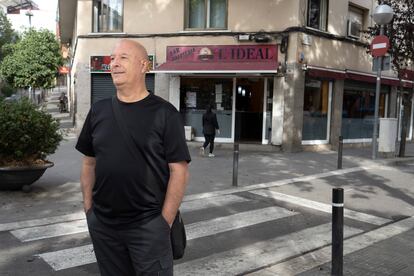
[(235, 163), (340, 146), (337, 231)]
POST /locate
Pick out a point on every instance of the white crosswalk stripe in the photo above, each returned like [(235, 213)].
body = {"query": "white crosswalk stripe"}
[(43, 221), (78, 226), (321, 206), (76, 257), (237, 221), (50, 231), (248, 258), (218, 201), (239, 260)]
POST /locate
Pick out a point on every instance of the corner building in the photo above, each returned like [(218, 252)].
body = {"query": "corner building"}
[(289, 73)]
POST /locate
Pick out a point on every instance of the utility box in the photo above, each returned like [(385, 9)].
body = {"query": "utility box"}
[(189, 133), (387, 135)]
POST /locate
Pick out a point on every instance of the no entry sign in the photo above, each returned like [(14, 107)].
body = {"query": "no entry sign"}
[(379, 46)]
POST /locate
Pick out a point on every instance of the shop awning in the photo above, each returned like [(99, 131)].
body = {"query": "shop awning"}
[(217, 67), (372, 78), (326, 73)]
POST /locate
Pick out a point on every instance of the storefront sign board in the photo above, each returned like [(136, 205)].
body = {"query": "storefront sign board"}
[(222, 53), (102, 64)]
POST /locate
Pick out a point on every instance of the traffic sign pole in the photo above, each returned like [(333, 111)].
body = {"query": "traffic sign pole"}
[(377, 95)]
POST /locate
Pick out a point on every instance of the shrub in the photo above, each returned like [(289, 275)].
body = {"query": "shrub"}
[(27, 135), (7, 90)]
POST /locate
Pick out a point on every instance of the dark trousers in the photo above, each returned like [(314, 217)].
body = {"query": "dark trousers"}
[(143, 250), (209, 139)]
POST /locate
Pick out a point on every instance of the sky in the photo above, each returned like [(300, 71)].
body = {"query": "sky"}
[(45, 17)]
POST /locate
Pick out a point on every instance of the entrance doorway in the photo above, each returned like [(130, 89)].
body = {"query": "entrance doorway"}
[(249, 110)]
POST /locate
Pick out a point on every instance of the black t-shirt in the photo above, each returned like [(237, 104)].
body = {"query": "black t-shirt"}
[(125, 186)]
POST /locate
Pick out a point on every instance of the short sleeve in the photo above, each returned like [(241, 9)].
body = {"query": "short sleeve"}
[(176, 149), (85, 142)]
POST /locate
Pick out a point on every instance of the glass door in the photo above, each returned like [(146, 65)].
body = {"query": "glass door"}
[(249, 110)]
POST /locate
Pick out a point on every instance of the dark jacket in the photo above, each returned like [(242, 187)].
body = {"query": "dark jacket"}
[(210, 123)]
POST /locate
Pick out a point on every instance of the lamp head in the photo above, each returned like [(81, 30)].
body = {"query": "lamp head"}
[(383, 14)]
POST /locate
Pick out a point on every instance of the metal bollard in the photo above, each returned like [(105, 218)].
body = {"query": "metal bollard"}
[(337, 231), (340, 146), (235, 163)]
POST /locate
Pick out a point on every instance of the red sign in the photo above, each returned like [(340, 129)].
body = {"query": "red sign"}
[(407, 74), (64, 70), (379, 46), (102, 64), (222, 53)]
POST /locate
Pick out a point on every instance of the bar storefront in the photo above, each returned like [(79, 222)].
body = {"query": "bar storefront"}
[(236, 80)]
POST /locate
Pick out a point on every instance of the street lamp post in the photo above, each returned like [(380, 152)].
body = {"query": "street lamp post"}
[(29, 14), (382, 15)]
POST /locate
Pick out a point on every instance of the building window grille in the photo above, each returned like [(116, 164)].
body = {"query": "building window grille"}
[(206, 14), (107, 16), (318, 14)]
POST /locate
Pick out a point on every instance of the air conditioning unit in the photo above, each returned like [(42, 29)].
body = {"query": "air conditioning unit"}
[(354, 29)]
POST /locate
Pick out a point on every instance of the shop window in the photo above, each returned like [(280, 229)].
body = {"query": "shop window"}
[(315, 110), (318, 14), (107, 16), (206, 14), (358, 113), (197, 93), (355, 22), (404, 96)]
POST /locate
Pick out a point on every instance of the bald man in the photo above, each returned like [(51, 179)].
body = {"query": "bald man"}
[(128, 222)]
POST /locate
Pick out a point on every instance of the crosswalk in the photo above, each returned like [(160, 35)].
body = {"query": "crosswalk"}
[(264, 234)]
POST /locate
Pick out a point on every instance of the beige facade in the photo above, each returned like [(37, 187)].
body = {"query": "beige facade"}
[(284, 23)]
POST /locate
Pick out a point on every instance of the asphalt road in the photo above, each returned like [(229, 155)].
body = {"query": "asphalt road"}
[(280, 213)]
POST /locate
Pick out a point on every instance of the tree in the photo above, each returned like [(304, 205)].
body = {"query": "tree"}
[(401, 35), (33, 61), (7, 34)]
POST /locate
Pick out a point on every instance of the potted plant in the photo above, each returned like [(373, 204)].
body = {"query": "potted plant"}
[(27, 136)]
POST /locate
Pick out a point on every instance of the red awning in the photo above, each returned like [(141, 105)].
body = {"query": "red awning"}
[(407, 84), (372, 79), (391, 82), (265, 67), (326, 73), (361, 77)]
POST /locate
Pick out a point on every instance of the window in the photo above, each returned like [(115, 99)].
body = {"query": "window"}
[(197, 93), (318, 14), (355, 21), (358, 109), (315, 110), (107, 16), (206, 14)]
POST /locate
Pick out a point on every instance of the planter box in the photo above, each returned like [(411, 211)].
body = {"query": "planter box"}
[(14, 178)]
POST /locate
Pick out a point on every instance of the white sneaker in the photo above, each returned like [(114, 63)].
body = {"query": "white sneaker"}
[(201, 151), (211, 155)]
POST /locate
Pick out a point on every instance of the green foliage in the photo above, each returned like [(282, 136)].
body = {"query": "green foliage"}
[(7, 90), (33, 61), (26, 133), (7, 34), (400, 32)]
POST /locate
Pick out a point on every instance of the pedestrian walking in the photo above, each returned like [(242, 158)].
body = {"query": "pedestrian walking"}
[(210, 126), (63, 103), (131, 195)]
